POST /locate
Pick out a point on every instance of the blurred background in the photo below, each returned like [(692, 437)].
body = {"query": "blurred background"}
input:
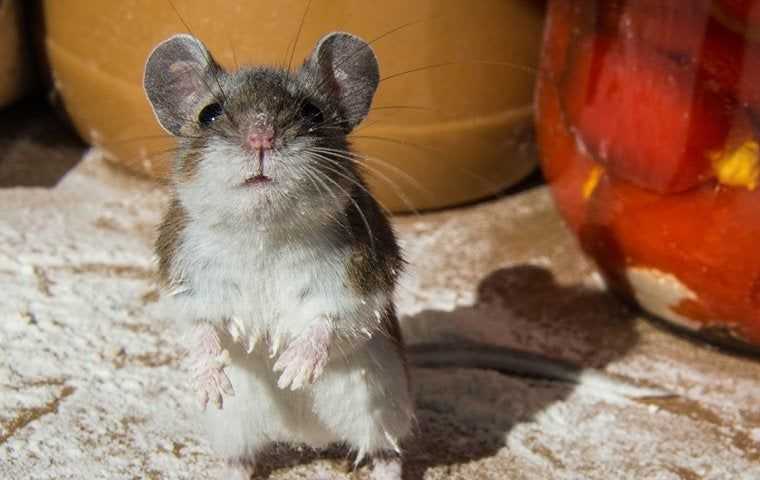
[(450, 108)]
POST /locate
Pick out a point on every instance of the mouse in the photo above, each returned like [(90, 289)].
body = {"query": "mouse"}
[(279, 265)]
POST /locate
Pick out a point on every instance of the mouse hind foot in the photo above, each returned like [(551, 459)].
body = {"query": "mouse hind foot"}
[(386, 466), (239, 469)]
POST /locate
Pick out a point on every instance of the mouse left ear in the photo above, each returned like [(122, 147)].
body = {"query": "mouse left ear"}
[(179, 74), (345, 68)]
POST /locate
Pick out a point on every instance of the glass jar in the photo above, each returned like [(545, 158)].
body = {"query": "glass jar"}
[(648, 115)]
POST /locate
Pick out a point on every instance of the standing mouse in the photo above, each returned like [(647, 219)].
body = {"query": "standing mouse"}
[(281, 264), (278, 256)]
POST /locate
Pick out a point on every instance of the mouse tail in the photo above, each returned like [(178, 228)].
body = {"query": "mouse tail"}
[(527, 364)]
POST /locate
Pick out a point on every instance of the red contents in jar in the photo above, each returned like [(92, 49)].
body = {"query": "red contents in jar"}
[(650, 145), (650, 120), (685, 32), (707, 239), (672, 27)]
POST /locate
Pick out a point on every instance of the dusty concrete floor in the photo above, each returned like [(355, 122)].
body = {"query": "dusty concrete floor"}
[(91, 385)]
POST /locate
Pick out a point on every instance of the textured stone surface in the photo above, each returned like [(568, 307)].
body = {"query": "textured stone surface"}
[(91, 385)]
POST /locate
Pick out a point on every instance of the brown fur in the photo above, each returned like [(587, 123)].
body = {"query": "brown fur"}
[(169, 237), (375, 261), (392, 329), (189, 161)]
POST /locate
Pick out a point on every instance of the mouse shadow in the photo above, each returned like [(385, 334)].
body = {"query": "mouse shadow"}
[(464, 414)]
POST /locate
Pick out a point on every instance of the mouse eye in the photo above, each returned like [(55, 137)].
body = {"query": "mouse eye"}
[(209, 114), (311, 113)]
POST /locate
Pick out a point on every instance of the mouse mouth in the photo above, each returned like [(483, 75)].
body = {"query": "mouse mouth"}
[(258, 179)]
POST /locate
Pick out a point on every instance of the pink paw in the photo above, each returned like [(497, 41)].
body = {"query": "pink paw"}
[(304, 360), (207, 363), (211, 382)]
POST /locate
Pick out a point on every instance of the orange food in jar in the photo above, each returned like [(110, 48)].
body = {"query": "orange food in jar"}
[(648, 117)]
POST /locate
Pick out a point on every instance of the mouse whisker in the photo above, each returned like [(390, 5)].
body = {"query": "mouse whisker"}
[(354, 181), (488, 184), (312, 176), (338, 130), (405, 107), (371, 42), (231, 44), (416, 183), (397, 190), (363, 159), (307, 170), (338, 218), (356, 206), (523, 68), (413, 108), (212, 66), (160, 154), (122, 141), (298, 34)]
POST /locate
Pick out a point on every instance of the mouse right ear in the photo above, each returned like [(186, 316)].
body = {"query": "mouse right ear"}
[(345, 68), (180, 72)]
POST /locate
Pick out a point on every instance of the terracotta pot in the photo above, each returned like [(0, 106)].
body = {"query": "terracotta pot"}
[(649, 120), (450, 122)]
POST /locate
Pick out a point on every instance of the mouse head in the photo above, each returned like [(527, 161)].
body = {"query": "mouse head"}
[(262, 135)]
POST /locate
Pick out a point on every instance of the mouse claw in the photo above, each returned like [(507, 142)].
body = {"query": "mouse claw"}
[(236, 329), (285, 378), (203, 399), (250, 344), (225, 385), (274, 348), (211, 385), (221, 361), (217, 400)]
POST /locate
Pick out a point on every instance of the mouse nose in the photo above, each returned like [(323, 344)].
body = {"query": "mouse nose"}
[(261, 138)]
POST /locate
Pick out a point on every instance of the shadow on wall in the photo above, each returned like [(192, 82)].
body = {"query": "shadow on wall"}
[(36, 147), (465, 415)]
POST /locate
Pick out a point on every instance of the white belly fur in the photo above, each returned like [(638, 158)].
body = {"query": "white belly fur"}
[(275, 291)]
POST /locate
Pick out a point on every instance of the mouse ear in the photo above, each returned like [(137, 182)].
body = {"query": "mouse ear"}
[(344, 66), (178, 75)]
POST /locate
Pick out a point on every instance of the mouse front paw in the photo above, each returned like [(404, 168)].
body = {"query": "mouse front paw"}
[(211, 382), (207, 363), (305, 358)]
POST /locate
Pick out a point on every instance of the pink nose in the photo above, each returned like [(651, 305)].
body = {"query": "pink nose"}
[(261, 138)]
